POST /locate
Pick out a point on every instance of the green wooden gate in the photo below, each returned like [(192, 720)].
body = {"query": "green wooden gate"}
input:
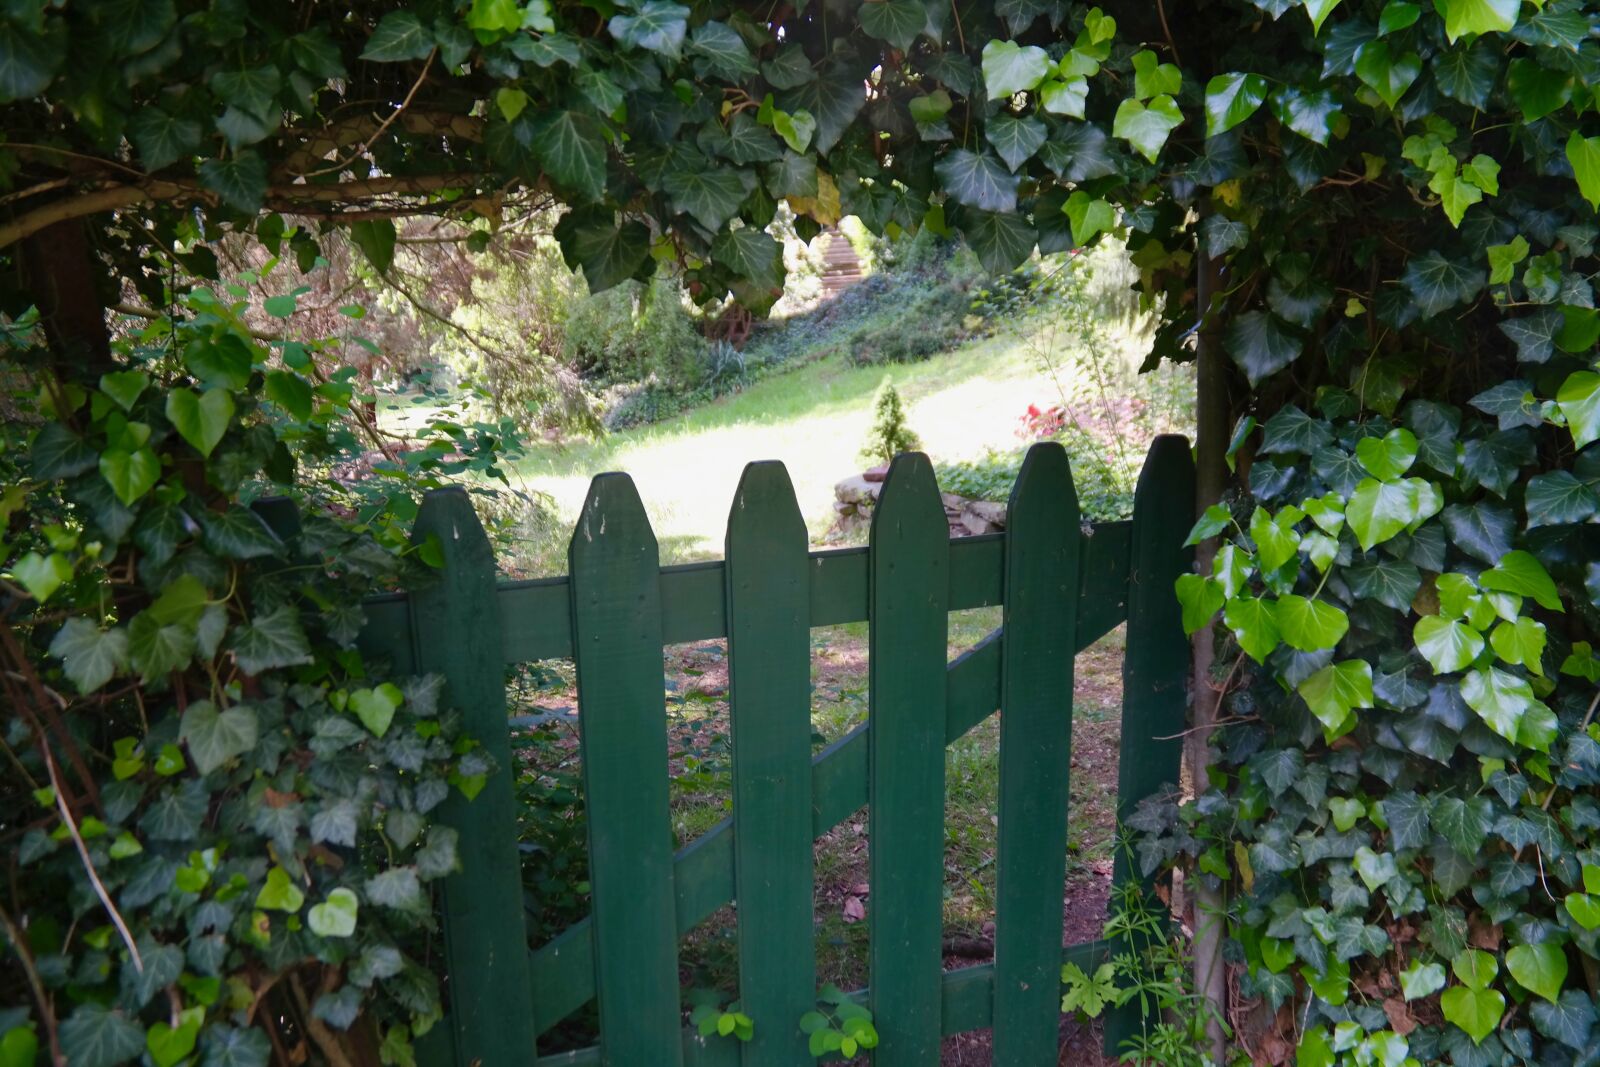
[(1062, 587)]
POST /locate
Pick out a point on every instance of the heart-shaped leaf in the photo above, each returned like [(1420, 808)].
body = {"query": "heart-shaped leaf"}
[(336, 916), (376, 707), (1540, 969), (279, 893), (200, 419)]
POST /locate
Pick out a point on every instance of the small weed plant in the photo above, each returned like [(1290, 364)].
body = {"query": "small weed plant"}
[(712, 1018), (838, 1024)]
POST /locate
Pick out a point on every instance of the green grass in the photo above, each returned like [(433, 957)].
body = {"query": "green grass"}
[(814, 419)]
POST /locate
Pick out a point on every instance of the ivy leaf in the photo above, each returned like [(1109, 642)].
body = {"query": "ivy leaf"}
[(1481, 530), (659, 27), (90, 656), (607, 253), (1521, 573), (213, 738), (1499, 698), (1232, 98), (1146, 126), (1311, 114), (1201, 599), (1015, 139), (28, 62), (710, 195), (895, 21), (41, 575), (752, 253), (571, 147), (272, 640), (1558, 499), (1010, 68), (1446, 644), (1467, 74), (162, 139), (1153, 78), (1088, 216), (240, 180), (230, 1046), (1002, 240), (1421, 980), (200, 419), (1579, 400), (1584, 155), (95, 1036), (1260, 345), (789, 68), (978, 180), (1392, 583), (1310, 625), (1463, 17), (1386, 74), (1476, 1011), (130, 474), (723, 51), (279, 893), (1569, 1020), (1254, 624), (239, 533), (1537, 89), (1438, 284), (1334, 692), (155, 649), (335, 916), (57, 452), (1541, 969), (1380, 510), (1407, 816), (1388, 457), (1318, 11), (1067, 97), (399, 36), (396, 888)]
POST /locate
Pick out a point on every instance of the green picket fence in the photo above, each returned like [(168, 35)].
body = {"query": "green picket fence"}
[(1062, 587)]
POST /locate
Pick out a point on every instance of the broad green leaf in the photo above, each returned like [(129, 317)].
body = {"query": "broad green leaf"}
[(658, 26), (1345, 812), (978, 180), (1089, 216), (1584, 909), (1374, 868), (607, 253), (896, 21), (1232, 98), (1310, 625), (1570, 1020), (1254, 624), (1579, 400), (1215, 519), (711, 195), (1010, 68), (201, 419), (279, 893), (1066, 97), (1520, 642), (1311, 114), (90, 656), (95, 1036), (130, 474), (376, 707), (1390, 456), (571, 147), (510, 102), (290, 392), (272, 640), (1503, 259), (1387, 74), (1477, 1011), (170, 1046), (1584, 155), (1201, 599), (1153, 78), (1421, 979), (1314, 1049), (1232, 568), (335, 916), (28, 61), (1015, 139), (400, 36), (1261, 345), (1334, 692), (723, 52), (1521, 573), (1537, 88), (1439, 284), (57, 452), (1147, 126), (1462, 17), (397, 888), (1319, 10), (1446, 644), (1541, 969), (1499, 698), (930, 107), (752, 253), (42, 575), (1378, 511), (213, 737), (796, 129), (1002, 240), (156, 649)]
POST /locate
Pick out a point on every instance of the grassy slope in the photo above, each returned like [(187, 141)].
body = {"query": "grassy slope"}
[(813, 419)]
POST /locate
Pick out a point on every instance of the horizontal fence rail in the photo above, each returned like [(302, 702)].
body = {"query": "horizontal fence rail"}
[(1061, 587)]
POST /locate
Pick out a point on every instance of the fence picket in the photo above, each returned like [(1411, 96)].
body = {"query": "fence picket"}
[(769, 674), (455, 627), (1155, 665), (908, 601), (1041, 583), (616, 626)]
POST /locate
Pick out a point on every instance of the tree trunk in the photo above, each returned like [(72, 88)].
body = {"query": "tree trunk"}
[(64, 279), (1212, 417)]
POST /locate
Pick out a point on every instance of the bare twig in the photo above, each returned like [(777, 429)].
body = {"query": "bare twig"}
[(367, 144), (47, 1012), (88, 864)]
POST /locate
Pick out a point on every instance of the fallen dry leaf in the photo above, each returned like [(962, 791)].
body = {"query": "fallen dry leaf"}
[(854, 910)]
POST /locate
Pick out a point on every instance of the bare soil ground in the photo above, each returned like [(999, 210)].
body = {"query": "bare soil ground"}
[(700, 756)]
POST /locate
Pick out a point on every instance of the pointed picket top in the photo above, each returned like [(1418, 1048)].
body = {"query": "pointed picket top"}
[(764, 506), (910, 496), (1044, 490), (613, 520)]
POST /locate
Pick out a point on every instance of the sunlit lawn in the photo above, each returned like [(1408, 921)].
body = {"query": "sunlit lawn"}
[(813, 419)]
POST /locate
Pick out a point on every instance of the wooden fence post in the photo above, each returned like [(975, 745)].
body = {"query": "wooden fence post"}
[(1043, 544), (908, 619), (1155, 666), (455, 630), (768, 590)]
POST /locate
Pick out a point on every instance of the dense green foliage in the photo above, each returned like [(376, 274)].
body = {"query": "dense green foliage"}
[(225, 819), (1396, 199)]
